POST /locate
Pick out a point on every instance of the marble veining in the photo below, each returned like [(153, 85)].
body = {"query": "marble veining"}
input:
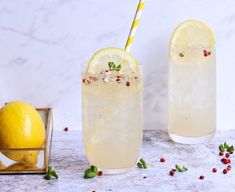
[(70, 162), (43, 45)]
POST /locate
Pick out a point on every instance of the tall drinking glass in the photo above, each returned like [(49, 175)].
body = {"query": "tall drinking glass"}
[(192, 83), (112, 110)]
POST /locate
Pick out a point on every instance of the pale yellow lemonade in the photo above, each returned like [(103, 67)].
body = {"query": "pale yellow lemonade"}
[(192, 84), (112, 111)]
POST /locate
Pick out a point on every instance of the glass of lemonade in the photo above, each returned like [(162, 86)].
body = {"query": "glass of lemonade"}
[(192, 83), (112, 110)]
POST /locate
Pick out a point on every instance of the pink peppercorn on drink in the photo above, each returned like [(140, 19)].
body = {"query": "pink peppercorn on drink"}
[(192, 83), (112, 110)]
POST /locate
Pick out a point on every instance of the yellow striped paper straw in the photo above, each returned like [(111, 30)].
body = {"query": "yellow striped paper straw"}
[(134, 25)]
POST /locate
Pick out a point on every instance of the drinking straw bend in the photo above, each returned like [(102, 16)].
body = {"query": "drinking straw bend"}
[(134, 25)]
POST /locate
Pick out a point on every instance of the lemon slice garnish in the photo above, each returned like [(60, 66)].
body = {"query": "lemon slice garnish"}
[(101, 58), (192, 33), (189, 41)]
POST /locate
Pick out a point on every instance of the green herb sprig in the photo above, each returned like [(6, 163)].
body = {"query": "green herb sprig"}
[(114, 67), (225, 146), (142, 164), (180, 169), (91, 172), (51, 173)]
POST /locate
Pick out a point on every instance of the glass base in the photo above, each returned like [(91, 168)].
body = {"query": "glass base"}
[(114, 171), (191, 140)]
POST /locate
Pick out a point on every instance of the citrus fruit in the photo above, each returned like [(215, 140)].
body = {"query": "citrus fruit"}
[(101, 58), (2, 166), (21, 166), (192, 33), (189, 41), (21, 126)]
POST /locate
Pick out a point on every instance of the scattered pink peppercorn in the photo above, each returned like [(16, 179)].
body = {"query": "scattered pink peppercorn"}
[(214, 170), (66, 129), (205, 53), (221, 153), (225, 171), (202, 177), (171, 173), (225, 161), (229, 167), (162, 160), (100, 173), (227, 155)]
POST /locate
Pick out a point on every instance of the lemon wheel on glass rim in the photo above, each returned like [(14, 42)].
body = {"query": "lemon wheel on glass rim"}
[(194, 32), (101, 58), (189, 41)]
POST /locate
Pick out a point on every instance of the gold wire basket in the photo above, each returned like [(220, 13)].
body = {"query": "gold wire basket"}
[(8, 166)]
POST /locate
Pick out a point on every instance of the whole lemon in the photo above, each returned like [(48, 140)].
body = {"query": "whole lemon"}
[(21, 126), (2, 166), (21, 166)]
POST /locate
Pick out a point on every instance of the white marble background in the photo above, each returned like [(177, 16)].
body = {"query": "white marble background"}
[(43, 44)]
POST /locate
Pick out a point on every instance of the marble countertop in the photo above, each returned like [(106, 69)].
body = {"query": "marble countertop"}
[(70, 162)]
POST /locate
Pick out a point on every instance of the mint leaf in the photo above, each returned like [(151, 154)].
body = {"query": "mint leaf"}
[(221, 148), (118, 68), (51, 173), (177, 167), (54, 174), (142, 161), (226, 145), (180, 169), (94, 169), (142, 164), (113, 66), (89, 174), (230, 149), (47, 177)]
